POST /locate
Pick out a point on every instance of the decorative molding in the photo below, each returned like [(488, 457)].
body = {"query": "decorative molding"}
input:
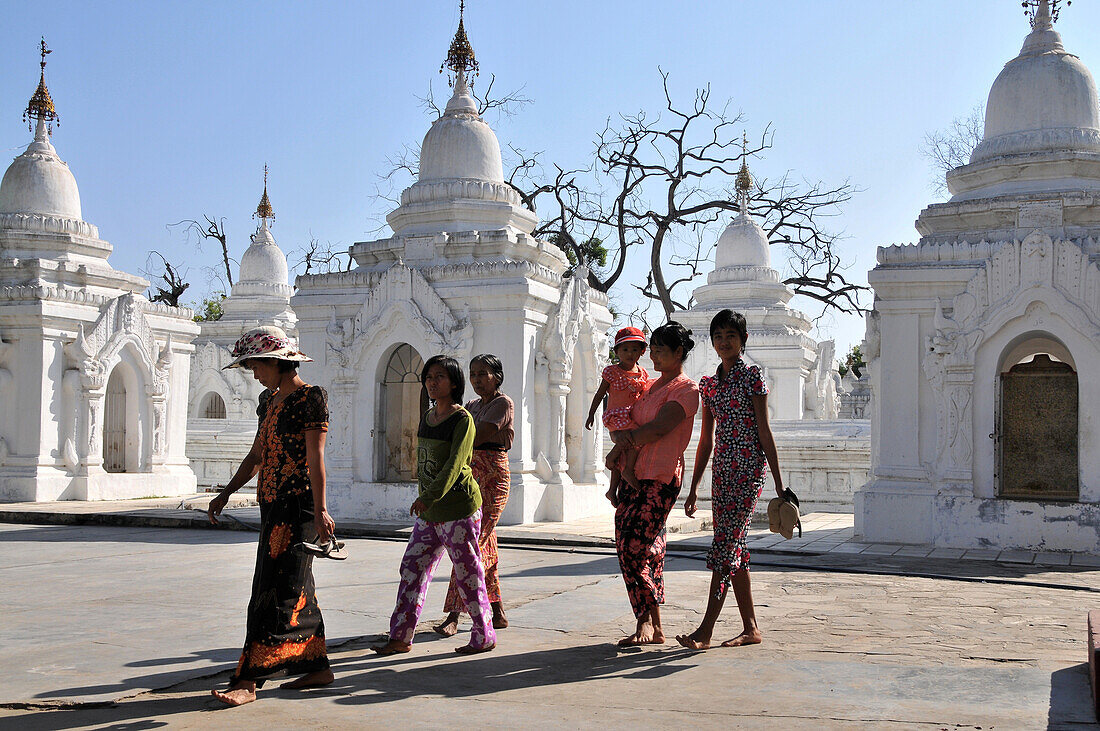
[(459, 188), (39, 223)]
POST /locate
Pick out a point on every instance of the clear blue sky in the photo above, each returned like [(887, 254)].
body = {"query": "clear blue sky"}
[(170, 110)]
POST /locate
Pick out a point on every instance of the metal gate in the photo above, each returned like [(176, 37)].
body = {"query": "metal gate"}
[(114, 425)]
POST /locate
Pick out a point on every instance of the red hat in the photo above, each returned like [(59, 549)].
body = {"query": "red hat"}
[(629, 335)]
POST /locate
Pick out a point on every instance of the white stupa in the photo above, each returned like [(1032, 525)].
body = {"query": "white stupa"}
[(97, 374), (461, 275), (221, 420), (984, 435)]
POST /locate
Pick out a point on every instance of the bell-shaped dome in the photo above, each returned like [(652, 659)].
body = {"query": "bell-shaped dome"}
[(39, 182), (263, 262), (460, 144), (743, 244), (1044, 99)]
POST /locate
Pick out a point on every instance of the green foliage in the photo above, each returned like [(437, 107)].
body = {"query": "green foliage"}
[(854, 362), (210, 309), (593, 253)]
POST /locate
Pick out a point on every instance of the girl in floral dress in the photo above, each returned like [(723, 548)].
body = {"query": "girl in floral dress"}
[(285, 631), (623, 383), (735, 424)]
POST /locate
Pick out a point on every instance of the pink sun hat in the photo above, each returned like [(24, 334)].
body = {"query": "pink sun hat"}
[(629, 335), (265, 342)]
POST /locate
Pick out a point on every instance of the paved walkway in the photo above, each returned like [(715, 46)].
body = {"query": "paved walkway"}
[(824, 534), (127, 627)]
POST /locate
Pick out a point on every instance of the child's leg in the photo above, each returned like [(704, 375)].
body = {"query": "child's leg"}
[(613, 457), (460, 538), (630, 458), (417, 565), (612, 493)]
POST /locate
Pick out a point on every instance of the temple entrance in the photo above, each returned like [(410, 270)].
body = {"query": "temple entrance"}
[(401, 402), (213, 407), (1037, 450), (114, 424)]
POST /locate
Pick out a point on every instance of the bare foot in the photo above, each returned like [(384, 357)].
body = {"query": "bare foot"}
[(694, 641), (393, 647), (315, 679), (748, 637), (449, 626), (499, 620), (238, 696), (643, 637), (471, 650), (612, 496)]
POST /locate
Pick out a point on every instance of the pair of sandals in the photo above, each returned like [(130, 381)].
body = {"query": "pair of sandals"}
[(332, 548)]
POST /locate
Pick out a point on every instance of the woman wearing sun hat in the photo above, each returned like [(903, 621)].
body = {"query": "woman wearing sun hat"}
[(285, 631)]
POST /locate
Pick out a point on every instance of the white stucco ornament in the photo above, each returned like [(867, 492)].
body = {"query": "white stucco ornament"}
[(40, 182)]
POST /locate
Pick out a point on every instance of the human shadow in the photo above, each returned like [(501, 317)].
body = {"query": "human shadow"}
[(1071, 698), (406, 676), (219, 660)]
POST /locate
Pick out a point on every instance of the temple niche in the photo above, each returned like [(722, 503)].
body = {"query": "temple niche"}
[(461, 275), (221, 411), (823, 458), (983, 432), (96, 373)]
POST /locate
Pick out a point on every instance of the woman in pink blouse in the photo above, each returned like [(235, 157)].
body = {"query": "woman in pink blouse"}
[(666, 412)]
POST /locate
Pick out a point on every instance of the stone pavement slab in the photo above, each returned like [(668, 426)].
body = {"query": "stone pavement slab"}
[(144, 622)]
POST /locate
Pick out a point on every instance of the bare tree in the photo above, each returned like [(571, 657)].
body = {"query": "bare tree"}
[(321, 258), (663, 184), (212, 229), (947, 149), (173, 278)]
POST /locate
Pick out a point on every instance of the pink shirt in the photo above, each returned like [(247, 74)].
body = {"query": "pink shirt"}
[(663, 460)]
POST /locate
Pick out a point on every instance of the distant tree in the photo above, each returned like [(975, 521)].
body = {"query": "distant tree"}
[(853, 362), (318, 258), (171, 276), (947, 149), (210, 309), (211, 230)]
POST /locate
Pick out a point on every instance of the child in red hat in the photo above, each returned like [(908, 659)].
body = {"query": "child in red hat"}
[(623, 384)]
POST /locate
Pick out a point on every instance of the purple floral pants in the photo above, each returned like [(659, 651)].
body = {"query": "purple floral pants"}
[(426, 546)]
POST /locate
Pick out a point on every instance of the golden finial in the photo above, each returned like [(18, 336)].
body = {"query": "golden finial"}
[(460, 57), (41, 106), (744, 178), (264, 211)]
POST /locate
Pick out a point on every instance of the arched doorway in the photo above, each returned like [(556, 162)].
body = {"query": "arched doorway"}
[(1037, 423), (212, 406), (114, 424), (401, 402)]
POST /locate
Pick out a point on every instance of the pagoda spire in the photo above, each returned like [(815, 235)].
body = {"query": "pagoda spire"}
[(743, 183), (40, 110), (460, 56), (264, 211), (1043, 14)]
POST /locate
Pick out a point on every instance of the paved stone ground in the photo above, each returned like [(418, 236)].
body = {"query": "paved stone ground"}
[(129, 628)]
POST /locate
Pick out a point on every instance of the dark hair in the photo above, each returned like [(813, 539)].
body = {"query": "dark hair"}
[(284, 365), (672, 335), (730, 320), (454, 372), (491, 362)]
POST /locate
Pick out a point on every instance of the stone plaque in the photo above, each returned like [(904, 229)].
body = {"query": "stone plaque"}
[(1038, 434), (420, 247), (1040, 214)]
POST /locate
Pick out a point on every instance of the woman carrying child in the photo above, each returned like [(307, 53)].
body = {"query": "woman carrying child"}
[(735, 425), (623, 383), (448, 514)]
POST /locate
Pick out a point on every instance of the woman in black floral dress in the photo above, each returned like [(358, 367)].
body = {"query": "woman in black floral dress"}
[(735, 424), (285, 631)]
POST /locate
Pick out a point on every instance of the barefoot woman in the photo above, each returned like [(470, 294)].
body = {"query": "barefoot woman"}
[(666, 412), (285, 631), (493, 413), (735, 405)]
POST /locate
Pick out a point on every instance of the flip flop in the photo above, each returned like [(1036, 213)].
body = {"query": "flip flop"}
[(384, 651), (332, 549), (471, 650)]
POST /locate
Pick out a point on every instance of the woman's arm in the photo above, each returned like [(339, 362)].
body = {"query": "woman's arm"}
[(315, 463), (250, 465), (767, 441), (461, 450), (483, 432), (597, 399), (702, 457)]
